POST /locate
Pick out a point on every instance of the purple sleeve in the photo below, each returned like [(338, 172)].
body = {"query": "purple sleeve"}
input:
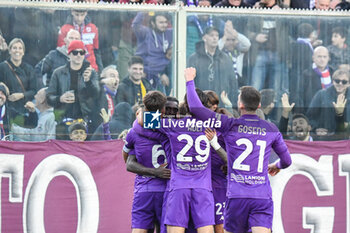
[(280, 147), (139, 30), (129, 142), (148, 133), (106, 132), (202, 113)]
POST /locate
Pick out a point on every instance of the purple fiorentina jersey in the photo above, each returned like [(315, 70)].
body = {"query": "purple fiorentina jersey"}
[(248, 141), (149, 153), (190, 162)]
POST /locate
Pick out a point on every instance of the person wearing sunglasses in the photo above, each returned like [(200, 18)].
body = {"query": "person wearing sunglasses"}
[(330, 105), (73, 89)]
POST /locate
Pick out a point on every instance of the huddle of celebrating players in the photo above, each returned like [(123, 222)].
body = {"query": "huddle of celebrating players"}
[(191, 177)]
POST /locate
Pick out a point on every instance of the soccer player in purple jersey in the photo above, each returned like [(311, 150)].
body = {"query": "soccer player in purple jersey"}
[(248, 141), (190, 189), (149, 164)]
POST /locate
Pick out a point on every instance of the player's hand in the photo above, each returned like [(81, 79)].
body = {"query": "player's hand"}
[(3, 44), (190, 74), (210, 134), (162, 171), (104, 115), (16, 96), (273, 169), (87, 74), (339, 106)]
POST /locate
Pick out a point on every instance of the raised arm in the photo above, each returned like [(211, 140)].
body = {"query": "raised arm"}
[(196, 107)]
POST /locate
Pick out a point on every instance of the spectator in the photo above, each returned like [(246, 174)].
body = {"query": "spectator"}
[(322, 4), (73, 88), (268, 54), (19, 77), (329, 103), (133, 88), (314, 79), (235, 45), (152, 45), (268, 105), (80, 21), (338, 51), (301, 128), (196, 27), (273, 4), (4, 124), (3, 47), (54, 59), (301, 57), (122, 119), (77, 131), (231, 3), (109, 83), (139, 1), (214, 67), (46, 127)]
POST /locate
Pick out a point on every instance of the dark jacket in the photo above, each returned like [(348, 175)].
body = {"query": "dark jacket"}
[(224, 75), (26, 74), (54, 59), (87, 91), (122, 119), (309, 86), (127, 91), (321, 112)]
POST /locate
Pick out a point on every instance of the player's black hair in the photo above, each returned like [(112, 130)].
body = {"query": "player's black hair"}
[(202, 96), (250, 97), (154, 100), (213, 98)]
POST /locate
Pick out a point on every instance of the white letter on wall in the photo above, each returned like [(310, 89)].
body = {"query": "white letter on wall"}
[(318, 219), (320, 173), (344, 170), (11, 166), (77, 171)]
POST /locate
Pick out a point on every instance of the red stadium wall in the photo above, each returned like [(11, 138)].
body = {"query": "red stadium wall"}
[(63, 186)]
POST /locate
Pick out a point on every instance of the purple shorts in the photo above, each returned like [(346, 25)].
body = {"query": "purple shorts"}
[(219, 200), (243, 213), (182, 202), (146, 209)]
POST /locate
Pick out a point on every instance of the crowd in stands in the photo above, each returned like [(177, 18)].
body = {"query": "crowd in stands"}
[(93, 70)]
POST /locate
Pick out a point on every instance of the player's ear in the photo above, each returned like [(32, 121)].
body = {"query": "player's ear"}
[(260, 105), (241, 105)]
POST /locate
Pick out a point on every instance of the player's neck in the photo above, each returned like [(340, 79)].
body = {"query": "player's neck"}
[(244, 112)]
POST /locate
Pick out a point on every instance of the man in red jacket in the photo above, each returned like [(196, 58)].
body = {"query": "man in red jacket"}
[(79, 21)]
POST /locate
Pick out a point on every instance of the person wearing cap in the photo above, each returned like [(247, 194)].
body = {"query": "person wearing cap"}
[(55, 58), (80, 21), (74, 88), (214, 67), (77, 132), (46, 127)]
